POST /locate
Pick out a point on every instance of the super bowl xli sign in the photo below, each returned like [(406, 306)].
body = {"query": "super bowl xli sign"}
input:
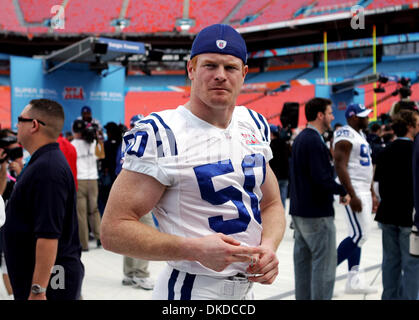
[(73, 93)]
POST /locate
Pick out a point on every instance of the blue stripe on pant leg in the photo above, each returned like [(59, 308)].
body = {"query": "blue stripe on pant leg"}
[(355, 258), (351, 216), (172, 282), (359, 227), (185, 292)]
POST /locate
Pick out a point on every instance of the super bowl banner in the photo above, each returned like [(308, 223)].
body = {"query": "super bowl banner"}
[(72, 85)]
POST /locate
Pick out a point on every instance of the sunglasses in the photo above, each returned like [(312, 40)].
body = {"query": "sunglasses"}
[(22, 119)]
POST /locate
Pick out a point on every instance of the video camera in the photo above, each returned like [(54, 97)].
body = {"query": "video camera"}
[(12, 154), (88, 130)]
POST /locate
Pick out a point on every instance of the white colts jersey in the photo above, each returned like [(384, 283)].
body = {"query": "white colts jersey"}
[(360, 167), (213, 176)]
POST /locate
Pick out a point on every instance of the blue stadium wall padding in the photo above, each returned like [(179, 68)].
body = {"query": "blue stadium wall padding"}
[(72, 85), (340, 100), (4, 80)]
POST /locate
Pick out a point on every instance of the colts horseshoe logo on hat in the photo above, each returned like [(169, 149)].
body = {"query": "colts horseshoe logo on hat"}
[(221, 44)]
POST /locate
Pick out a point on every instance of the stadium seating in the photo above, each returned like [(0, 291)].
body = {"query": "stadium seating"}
[(35, 10), (209, 12), (153, 16), (264, 12), (155, 80), (147, 102), (8, 17), (275, 12), (386, 3), (271, 105), (392, 65), (341, 71), (148, 16), (94, 18), (270, 76), (249, 8)]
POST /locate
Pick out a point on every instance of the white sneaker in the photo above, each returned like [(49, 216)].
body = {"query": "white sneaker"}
[(356, 284), (143, 283)]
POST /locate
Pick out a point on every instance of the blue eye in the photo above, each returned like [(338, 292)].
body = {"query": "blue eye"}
[(232, 68)]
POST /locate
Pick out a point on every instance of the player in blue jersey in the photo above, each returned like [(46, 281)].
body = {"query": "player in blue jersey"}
[(203, 169), (354, 168)]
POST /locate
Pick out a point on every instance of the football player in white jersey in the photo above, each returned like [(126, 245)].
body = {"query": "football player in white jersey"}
[(353, 165), (203, 169)]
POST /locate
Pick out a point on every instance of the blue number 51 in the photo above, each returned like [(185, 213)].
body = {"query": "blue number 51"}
[(204, 175)]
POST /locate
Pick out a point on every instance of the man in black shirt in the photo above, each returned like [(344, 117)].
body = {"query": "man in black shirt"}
[(311, 206), (394, 175), (42, 246), (376, 141)]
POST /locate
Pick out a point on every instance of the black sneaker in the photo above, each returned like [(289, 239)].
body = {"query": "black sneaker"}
[(98, 243)]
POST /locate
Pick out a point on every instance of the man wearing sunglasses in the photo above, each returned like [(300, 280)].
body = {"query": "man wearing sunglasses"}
[(42, 246)]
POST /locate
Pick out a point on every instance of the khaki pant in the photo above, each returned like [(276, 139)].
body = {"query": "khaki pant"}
[(138, 267), (87, 209)]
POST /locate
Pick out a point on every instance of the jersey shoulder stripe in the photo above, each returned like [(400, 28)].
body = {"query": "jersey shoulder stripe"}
[(140, 140), (159, 143), (262, 119), (169, 133), (264, 132)]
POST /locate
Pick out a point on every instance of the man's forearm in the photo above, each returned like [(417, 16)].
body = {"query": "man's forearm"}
[(46, 253), (345, 180), (273, 223), (138, 240)]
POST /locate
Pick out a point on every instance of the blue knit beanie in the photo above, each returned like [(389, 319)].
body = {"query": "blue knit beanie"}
[(220, 38)]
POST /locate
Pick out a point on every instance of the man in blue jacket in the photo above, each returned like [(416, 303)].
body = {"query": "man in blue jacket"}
[(311, 206)]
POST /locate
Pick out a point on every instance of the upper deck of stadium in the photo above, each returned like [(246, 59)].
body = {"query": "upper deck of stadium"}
[(151, 16)]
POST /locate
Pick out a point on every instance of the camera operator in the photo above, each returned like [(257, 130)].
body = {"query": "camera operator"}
[(404, 103), (86, 116), (85, 142), (94, 125)]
